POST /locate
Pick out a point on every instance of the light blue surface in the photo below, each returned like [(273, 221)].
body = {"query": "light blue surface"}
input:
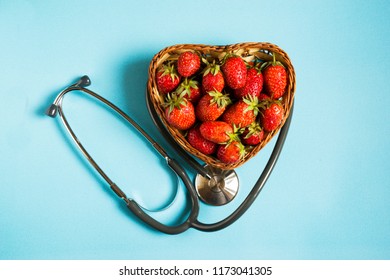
[(329, 195)]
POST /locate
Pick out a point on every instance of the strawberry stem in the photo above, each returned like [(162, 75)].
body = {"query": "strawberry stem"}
[(273, 59)]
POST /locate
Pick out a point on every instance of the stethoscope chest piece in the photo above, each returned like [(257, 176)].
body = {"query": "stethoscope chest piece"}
[(220, 189)]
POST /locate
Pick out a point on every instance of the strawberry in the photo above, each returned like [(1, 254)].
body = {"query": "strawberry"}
[(263, 97), (197, 141), (212, 79), (211, 106), (275, 78), (243, 112), (253, 84), (252, 135), (190, 90), (234, 70), (188, 63), (167, 78), (272, 116), (179, 112), (231, 152), (216, 131)]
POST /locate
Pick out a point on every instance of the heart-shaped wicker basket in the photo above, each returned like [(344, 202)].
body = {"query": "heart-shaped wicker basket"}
[(249, 52)]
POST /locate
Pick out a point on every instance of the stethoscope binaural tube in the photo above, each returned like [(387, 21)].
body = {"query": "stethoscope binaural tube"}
[(56, 107)]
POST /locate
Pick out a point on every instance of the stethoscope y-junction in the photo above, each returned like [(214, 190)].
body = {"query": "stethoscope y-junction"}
[(212, 185)]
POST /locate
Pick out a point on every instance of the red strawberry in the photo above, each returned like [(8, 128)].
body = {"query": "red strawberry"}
[(231, 152), (234, 70), (197, 141), (252, 135), (243, 112), (212, 79), (272, 116), (190, 90), (179, 112), (211, 106), (188, 63), (253, 85), (216, 131), (263, 97), (275, 78), (167, 79)]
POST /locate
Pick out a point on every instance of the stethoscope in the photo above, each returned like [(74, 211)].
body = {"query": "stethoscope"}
[(212, 186)]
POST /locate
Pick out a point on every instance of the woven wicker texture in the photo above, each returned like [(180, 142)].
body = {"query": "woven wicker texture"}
[(249, 52)]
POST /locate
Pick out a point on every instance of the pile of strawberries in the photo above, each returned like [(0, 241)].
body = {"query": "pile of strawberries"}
[(224, 107)]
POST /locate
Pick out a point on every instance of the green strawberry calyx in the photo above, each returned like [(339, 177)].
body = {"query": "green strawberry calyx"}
[(174, 100), (235, 135), (169, 69), (221, 99), (253, 104), (253, 129), (186, 86), (212, 68), (267, 102), (229, 55), (242, 149), (274, 62), (258, 66)]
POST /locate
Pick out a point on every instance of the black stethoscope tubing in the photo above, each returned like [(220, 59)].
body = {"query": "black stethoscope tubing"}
[(192, 219)]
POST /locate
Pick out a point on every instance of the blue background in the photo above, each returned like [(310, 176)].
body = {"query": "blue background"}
[(328, 197)]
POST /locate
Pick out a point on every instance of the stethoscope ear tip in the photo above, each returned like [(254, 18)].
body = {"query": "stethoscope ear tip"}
[(84, 81), (52, 110)]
